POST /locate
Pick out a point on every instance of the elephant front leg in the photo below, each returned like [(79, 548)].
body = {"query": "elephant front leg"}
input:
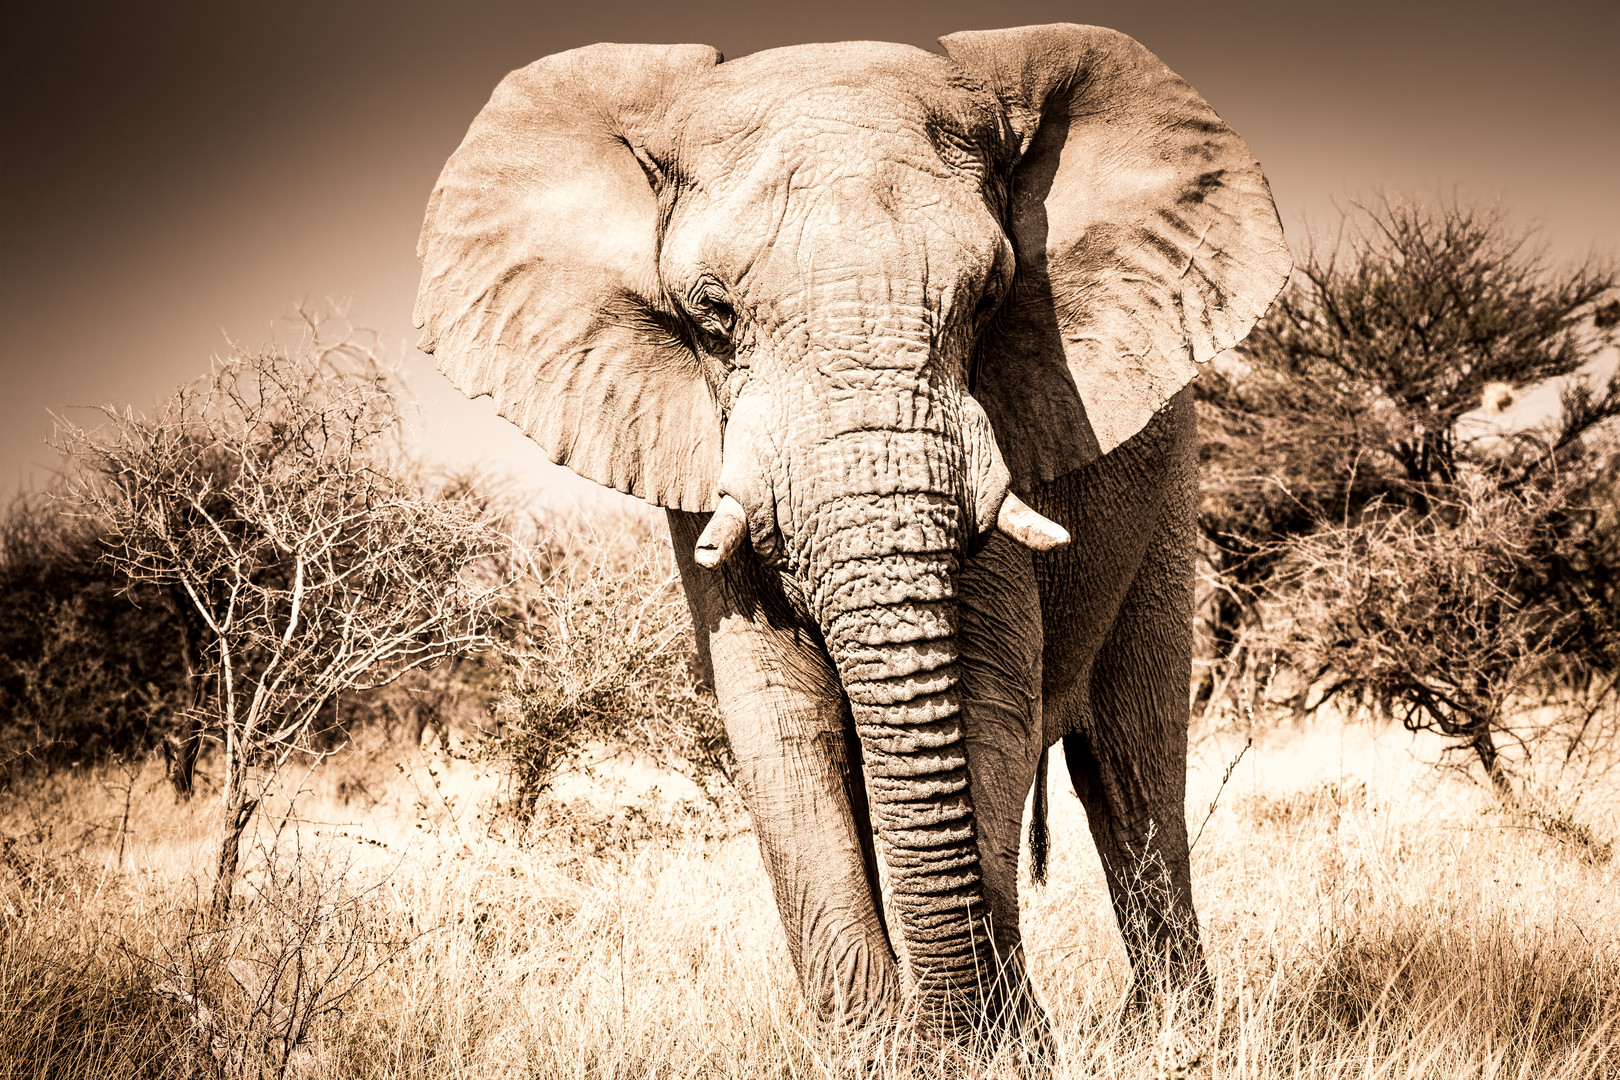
[(1128, 763), (799, 772), (1001, 640), (795, 772)]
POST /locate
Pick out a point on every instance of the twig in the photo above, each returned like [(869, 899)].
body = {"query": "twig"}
[(1227, 775), (1586, 722), (1228, 668)]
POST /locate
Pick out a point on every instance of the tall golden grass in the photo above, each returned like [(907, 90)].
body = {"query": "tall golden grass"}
[(1365, 915)]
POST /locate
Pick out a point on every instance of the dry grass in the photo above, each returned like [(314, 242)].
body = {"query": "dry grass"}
[(1366, 916)]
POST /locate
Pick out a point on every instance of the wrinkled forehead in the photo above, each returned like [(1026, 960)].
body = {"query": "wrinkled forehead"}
[(848, 95)]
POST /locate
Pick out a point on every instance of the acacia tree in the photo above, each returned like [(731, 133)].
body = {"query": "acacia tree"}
[(1344, 434), (273, 495)]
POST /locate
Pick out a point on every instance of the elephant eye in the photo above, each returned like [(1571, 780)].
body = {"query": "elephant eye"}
[(996, 285), (720, 314), (711, 310)]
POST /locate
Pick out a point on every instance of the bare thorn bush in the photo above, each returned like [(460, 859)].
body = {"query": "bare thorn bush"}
[(605, 657), (263, 994), (1430, 619), (272, 493), (1375, 538)]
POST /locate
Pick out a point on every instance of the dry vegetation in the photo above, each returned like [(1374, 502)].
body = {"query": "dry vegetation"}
[(1377, 537), (559, 880), (1366, 915)]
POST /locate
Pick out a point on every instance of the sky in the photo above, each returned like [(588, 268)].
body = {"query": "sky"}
[(176, 176)]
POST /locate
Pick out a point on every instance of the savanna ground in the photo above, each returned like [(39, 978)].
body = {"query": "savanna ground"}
[(1366, 915)]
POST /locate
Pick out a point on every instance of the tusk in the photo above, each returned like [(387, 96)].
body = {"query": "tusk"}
[(723, 535), (1027, 527)]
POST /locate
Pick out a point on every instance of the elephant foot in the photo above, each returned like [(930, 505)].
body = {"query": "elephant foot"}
[(1177, 987), (1003, 1032)]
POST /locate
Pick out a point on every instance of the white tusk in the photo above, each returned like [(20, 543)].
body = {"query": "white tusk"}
[(1027, 527), (723, 535)]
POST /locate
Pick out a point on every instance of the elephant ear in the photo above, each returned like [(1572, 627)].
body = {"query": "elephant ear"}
[(1145, 235), (540, 276)]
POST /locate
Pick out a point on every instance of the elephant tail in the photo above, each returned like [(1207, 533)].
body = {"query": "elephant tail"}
[(1040, 840)]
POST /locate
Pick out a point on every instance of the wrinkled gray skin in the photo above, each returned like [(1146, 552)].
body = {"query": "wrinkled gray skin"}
[(866, 291)]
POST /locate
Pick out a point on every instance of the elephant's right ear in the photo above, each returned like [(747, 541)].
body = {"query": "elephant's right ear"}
[(540, 273), (1145, 235)]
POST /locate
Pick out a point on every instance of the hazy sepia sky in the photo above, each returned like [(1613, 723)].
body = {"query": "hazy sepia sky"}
[(176, 171)]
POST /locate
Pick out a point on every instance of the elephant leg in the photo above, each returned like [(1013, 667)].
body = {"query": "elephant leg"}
[(1129, 766), (1001, 644), (799, 772)]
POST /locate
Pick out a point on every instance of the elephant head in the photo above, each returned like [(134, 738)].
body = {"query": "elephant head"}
[(852, 297)]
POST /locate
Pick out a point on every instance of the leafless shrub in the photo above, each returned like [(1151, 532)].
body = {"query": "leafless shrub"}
[(1442, 619), (258, 993), (1355, 399), (272, 493), (458, 694), (605, 657)]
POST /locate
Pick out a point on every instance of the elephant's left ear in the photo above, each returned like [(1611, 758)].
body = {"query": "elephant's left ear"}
[(1146, 241)]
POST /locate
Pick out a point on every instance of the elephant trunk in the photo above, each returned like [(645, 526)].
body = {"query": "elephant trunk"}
[(867, 482), (885, 593)]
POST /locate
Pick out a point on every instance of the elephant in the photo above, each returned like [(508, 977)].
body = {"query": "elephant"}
[(901, 342)]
